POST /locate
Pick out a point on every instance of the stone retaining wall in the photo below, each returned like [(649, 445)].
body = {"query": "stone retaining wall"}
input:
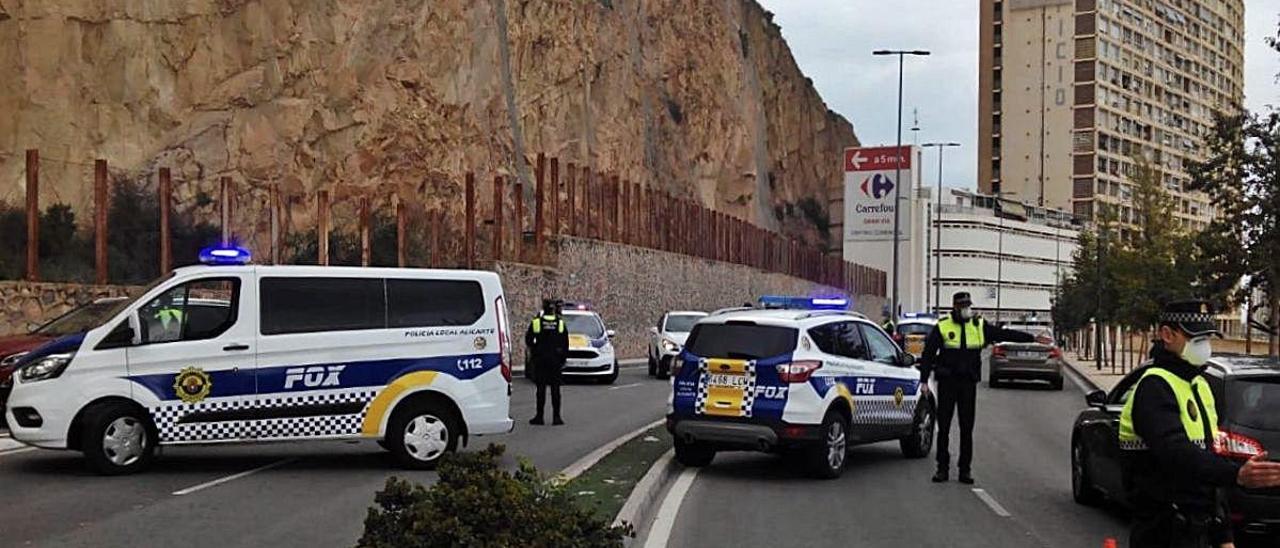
[(25, 305), (631, 287)]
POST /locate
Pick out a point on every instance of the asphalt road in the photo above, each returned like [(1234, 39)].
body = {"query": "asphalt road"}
[(312, 494), (1021, 460)]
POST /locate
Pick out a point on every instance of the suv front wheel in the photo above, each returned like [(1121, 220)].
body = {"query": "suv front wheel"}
[(920, 442)]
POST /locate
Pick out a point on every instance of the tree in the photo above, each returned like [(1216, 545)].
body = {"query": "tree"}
[(1241, 174)]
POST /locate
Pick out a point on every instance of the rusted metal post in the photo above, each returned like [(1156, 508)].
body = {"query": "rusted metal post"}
[(555, 198), (436, 220), (277, 239), (225, 205), (539, 193), (402, 252), (498, 214), (588, 204), (322, 232), (518, 222), (166, 206), (33, 215), (469, 244), (101, 205), (365, 251), (616, 214), (573, 199)]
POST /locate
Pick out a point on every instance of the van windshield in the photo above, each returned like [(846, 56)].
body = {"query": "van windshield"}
[(93, 315), (1255, 402), (740, 341)]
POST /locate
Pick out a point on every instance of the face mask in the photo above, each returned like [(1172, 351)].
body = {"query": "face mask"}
[(1197, 351), (966, 313)]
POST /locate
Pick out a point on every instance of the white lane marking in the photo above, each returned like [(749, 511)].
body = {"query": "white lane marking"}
[(5, 435), (232, 477), (16, 451), (660, 532), (577, 468), (991, 502), (620, 387), (6, 444)]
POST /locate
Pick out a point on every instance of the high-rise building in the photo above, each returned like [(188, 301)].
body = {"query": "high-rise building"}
[(1073, 92)]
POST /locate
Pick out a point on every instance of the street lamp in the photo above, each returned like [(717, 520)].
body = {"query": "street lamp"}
[(937, 225), (897, 173)]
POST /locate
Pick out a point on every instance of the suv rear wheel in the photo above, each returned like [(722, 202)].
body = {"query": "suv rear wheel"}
[(693, 454), (827, 457)]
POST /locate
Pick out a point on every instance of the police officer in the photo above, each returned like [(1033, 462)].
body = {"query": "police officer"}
[(953, 350), (1167, 429), (547, 341)]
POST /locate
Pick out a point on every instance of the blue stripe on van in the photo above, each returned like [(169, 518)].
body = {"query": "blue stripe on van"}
[(272, 380)]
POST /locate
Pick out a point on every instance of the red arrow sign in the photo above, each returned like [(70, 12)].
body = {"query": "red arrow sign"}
[(876, 158)]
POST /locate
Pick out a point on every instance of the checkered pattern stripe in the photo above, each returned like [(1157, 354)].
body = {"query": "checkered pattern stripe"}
[(881, 410), (167, 415), (748, 392), (1186, 317)]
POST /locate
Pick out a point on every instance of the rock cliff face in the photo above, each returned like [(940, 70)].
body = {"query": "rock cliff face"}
[(699, 97)]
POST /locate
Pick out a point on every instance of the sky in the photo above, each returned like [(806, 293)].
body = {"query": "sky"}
[(832, 41)]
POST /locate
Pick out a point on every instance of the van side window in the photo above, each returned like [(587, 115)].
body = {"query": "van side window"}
[(428, 303), (196, 310), (307, 305)]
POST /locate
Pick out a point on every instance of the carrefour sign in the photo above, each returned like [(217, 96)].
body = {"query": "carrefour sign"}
[(871, 176)]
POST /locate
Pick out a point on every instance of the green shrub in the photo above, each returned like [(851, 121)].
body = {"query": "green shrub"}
[(476, 503)]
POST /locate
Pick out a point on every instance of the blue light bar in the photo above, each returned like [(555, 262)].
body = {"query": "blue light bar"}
[(804, 303), (218, 255)]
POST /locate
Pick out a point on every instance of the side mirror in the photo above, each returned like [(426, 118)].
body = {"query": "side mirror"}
[(1097, 398), (653, 330), (611, 333), (906, 359), (119, 337)]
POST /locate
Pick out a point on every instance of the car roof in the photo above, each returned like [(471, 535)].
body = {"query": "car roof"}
[(687, 312), (1239, 364), (349, 271), (576, 312), (782, 316), (926, 321)]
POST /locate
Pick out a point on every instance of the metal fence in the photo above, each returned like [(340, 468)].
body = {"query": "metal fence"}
[(443, 225)]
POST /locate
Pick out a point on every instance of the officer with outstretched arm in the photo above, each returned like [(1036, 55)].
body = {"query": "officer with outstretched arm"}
[(953, 352), (1167, 431)]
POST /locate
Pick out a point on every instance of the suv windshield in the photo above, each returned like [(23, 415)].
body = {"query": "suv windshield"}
[(741, 341), (584, 324), (1255, 402), (682, 323), (84, 318)]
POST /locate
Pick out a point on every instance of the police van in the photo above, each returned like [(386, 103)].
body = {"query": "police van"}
[(227, 351), (801, 375)]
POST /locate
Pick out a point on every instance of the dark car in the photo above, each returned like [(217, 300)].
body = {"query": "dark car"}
[(14, 347), (1036, 361), (1247, 392)]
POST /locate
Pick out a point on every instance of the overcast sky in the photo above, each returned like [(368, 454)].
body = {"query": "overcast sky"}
[(832, 41)]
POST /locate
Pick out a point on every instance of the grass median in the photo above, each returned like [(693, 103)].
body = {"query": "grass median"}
[(604, 487)]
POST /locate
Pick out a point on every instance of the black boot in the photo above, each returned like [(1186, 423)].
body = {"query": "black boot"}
[(557, 421), (941, 476), (536, 420), (966, 478)]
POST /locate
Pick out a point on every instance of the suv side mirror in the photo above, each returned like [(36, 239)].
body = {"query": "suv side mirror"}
[(653, 330), (611, 333), (906, 359), (1097, 398), (119, 337)]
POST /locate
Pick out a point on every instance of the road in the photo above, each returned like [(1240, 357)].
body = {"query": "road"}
[(1021, 460), (312, 494)]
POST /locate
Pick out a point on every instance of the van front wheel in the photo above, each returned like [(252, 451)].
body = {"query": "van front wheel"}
[(422, 432), (117, 438)]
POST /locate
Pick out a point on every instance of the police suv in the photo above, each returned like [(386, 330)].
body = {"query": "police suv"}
[(231, 352), (802, 375)]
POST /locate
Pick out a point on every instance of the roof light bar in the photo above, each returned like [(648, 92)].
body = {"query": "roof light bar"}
[(231, 255)]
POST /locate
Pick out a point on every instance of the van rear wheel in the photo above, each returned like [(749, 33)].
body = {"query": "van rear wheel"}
[(117, 438), (421, 432)]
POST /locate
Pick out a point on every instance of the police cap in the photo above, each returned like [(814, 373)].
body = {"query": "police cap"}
[(1193, 317)]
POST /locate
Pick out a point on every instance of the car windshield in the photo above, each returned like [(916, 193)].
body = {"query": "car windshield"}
[(682, 323), (81, 319), (741, 341), (914, 329), (584, 324), (1255, 402)]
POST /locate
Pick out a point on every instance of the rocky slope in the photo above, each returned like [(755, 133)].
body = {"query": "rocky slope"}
[(700, 97)]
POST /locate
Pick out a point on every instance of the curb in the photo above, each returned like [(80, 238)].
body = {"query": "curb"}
[(644, 496), (1082, 377), (585, 463)]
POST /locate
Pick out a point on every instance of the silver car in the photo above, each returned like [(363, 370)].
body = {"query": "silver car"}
[(1037, 361)]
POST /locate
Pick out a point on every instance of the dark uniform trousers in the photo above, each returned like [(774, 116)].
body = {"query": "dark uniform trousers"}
[(953, 394), (1168, 529)]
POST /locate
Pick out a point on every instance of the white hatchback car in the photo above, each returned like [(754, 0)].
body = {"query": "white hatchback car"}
[(667, 338), (591, 352)]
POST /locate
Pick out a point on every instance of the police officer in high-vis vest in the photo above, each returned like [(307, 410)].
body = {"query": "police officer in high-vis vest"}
[(547, 341), (1167, 430), (953, 352)]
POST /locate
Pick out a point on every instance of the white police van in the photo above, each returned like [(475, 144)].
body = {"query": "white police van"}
[(801, 374), (232, 352)]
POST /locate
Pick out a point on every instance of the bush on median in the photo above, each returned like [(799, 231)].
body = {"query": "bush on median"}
[(476, 503)]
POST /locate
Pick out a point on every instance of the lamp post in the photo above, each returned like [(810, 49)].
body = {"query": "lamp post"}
[(937, 226), (897, 174)]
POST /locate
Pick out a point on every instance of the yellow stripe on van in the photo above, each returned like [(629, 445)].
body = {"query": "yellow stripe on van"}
[(381, 404), (843, 392)]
